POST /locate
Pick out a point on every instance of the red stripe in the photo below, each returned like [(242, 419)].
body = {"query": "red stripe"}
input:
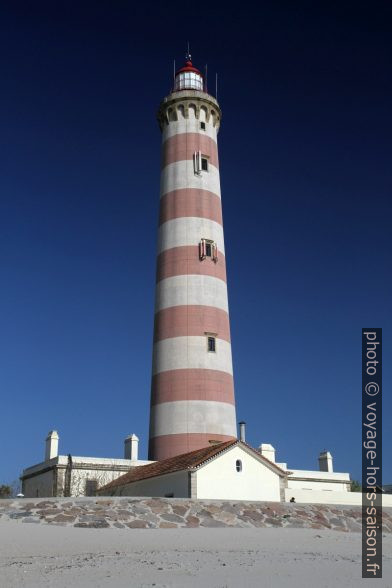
[(179, 261), (190, 202), (191, 321), (166, 446), (182, 146), (192, 384)]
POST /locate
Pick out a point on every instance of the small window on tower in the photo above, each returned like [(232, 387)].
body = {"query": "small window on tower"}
[(200, 162), (238, 465), (211, 344), (208, 248), (203, 126)]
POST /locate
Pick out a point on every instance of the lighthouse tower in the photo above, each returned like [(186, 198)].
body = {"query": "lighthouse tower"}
[(192, 392)]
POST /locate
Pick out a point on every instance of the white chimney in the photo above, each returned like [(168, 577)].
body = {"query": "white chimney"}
[(325, 462), (242, 425), (131, 447), (51, 445), (267, 451)]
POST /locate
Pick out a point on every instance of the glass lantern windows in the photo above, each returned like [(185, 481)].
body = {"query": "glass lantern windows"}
[(188, 80)]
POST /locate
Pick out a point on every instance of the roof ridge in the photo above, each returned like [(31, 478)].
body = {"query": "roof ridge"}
[(222, 446), (184, 461), (273, 463)]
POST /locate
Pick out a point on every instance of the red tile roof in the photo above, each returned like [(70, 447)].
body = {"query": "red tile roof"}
[(185, 461)]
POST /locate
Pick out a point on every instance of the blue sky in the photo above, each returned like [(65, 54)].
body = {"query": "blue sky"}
[(306, 185)]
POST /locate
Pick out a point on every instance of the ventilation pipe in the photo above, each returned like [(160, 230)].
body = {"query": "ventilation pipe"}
[(242, 425)]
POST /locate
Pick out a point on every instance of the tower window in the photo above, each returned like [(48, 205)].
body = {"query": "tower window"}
[(211, 343), (203, 126), (238, 465), (200, 162), (208, 248)]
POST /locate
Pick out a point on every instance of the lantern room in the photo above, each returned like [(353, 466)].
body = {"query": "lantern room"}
[(189, 78)]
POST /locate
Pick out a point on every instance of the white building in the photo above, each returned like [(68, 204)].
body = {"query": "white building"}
[(234, 471), (323, 485), (229, 471), (66, 475)]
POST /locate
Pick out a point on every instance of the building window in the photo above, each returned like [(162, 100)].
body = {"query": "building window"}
[(203, 126), (211, 343), (208, 248), (238, 465), (204, 164), (91, 487)]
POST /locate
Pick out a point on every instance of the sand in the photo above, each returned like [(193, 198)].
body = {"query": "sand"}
[(34, 555)]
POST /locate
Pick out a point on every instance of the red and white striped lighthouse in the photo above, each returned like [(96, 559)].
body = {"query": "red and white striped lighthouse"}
[(192, 392)]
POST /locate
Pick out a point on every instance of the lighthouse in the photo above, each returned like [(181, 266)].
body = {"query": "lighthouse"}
[(192, 390)]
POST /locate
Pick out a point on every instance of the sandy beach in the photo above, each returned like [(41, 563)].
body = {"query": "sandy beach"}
[(41, 556)]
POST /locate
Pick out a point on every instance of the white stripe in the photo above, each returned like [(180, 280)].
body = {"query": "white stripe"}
[(191, 289), (193, 416), (187, 126), (179, 353), (189, 230), (181, 174)]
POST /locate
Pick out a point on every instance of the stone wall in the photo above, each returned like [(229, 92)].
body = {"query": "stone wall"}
[(152, 513)]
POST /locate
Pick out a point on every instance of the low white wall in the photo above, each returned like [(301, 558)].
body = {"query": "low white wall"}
[(79, 478), (175, 484), (39, 486), (318, 485), (220, 480), (330, 497), (103, 470)]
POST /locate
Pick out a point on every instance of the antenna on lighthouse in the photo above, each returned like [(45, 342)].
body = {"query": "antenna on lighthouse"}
[(188, 56)]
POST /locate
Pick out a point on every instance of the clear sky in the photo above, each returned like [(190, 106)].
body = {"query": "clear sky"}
[(305, 161)]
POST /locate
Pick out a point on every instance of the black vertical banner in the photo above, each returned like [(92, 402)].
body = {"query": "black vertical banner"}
[(372, 453)]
